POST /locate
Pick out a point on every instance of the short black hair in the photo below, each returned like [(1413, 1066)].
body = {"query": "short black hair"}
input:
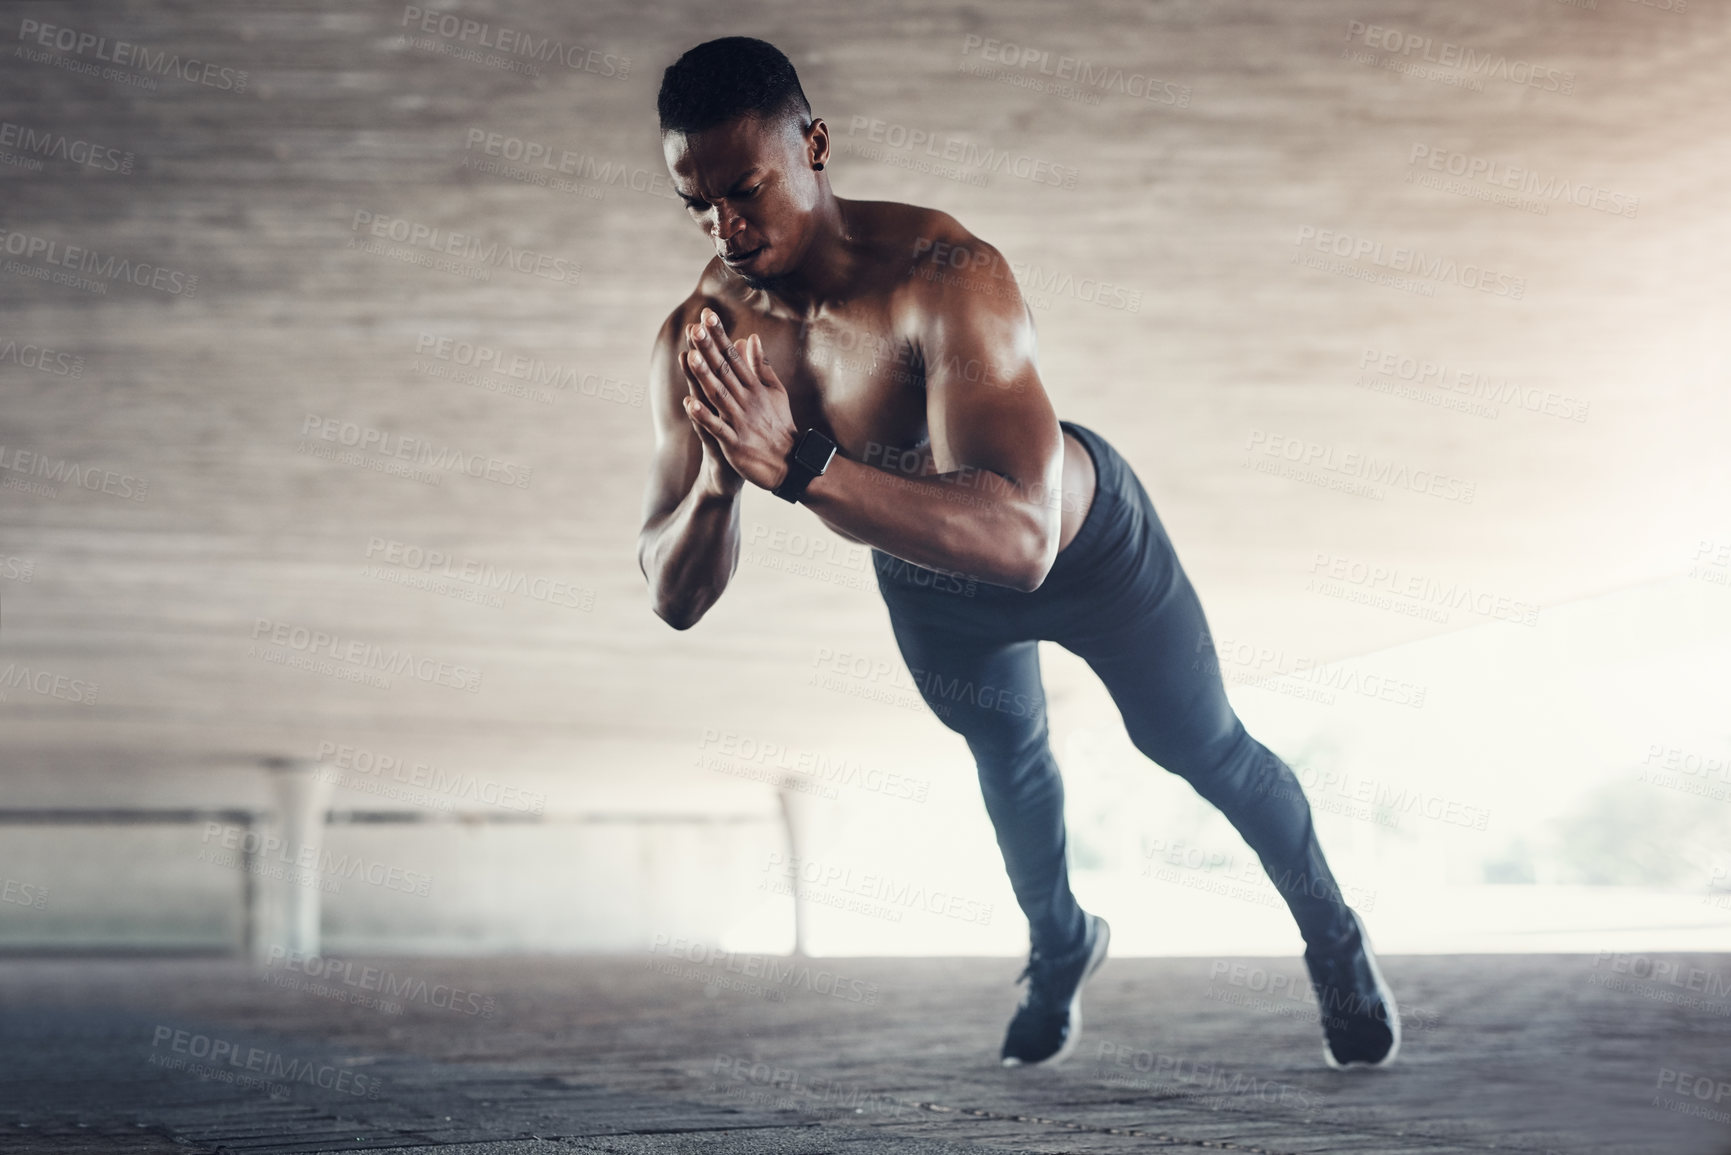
[(727, 78)]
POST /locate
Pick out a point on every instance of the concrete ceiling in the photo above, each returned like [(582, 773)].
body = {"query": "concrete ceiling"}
[(166, 602)]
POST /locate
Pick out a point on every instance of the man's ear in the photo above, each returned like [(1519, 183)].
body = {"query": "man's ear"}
[(817, 141)]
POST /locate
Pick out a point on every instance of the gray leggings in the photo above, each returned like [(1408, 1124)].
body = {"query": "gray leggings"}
[(1117, 598)]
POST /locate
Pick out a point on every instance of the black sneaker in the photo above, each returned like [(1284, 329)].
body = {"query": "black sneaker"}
[(1048, 1024), (1359, 1018)]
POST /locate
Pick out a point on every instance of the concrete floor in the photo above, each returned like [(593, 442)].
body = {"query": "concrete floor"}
[(669, 1052)]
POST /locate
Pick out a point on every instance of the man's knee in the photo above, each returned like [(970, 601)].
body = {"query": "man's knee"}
[(1009, 758), (1228, 761)]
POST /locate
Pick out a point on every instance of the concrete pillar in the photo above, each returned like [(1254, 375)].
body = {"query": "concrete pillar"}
[(289, 885), (796, 819)]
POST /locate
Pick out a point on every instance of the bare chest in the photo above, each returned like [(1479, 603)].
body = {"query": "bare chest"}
[(856, 382)]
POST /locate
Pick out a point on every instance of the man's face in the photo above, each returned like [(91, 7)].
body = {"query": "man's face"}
[(749, 184)]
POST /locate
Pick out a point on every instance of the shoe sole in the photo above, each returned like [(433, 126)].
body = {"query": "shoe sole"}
[(1388, 1001), (1074, 1039)]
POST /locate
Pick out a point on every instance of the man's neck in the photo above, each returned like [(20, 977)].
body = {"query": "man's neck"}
[(829, 271)]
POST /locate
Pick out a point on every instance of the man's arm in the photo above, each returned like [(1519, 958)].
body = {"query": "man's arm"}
[(993, 509), (688, 548)]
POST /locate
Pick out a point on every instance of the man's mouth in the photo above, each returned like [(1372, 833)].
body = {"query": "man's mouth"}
[(735, 260)]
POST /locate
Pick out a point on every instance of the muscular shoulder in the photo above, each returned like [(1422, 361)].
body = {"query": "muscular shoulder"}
[(944, 269), (912, 237), (667, 385), (714, 290)]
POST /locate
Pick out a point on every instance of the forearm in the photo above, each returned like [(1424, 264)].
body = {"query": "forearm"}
[(689, 557), (974, 522)]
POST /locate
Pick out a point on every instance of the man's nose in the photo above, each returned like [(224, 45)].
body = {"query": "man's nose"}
[(727, 223)]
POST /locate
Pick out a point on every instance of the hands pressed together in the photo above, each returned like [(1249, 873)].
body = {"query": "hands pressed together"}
[(738, 406)]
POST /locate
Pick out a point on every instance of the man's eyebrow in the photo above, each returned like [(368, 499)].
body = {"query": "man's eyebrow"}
[(733, 188)]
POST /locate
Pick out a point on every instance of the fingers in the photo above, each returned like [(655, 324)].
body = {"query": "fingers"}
[(721, 353), (752, 350), (761, 363), (710, 366), (734, 357), (719, 394), (706, 422), (693, 387)]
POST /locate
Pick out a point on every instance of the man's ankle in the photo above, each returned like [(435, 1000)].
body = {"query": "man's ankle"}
[(1067, 951), (1340, 934)]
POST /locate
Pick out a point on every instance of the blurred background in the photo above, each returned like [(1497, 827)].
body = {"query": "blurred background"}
[(324, 440)]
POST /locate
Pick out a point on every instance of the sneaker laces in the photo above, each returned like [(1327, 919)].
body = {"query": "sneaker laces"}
[(1039, 966), (1034, 962)]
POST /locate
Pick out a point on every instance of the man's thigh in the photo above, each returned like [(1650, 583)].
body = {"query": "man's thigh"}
[(1158, 662), (984, 685)]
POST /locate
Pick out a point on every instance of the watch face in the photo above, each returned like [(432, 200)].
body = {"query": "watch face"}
[(814, 451)]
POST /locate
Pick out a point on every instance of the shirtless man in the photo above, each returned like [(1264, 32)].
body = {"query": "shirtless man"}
[(875, 362)]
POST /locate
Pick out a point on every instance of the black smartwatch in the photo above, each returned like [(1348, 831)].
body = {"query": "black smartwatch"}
[(810, 457)]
